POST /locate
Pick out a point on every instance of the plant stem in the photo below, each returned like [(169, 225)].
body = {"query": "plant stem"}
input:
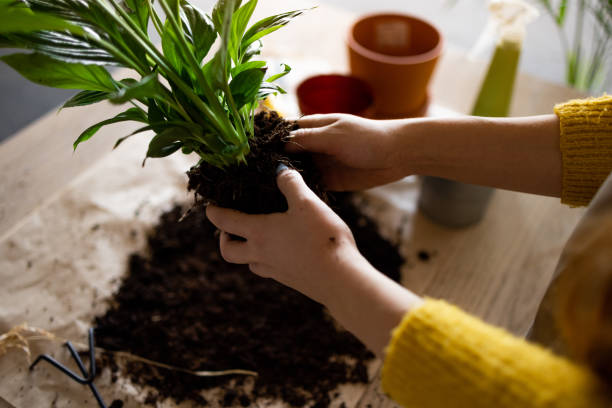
[(137, 34), (155, 18), (169, 100), (575, 76), (596, 61), (128, 61), (200, 76)]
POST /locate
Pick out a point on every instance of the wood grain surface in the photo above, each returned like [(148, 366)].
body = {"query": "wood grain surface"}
[(497, 270)]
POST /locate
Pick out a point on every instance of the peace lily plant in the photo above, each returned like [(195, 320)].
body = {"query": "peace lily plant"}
[(191, 102)]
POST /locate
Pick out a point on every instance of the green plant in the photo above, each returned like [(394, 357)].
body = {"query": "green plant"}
[(193, 103), (585, 69)]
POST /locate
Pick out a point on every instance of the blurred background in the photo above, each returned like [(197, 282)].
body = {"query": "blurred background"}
[(568, 44)]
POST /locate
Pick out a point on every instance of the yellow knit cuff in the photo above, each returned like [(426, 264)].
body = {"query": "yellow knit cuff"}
[(439, 356), (586, 147)]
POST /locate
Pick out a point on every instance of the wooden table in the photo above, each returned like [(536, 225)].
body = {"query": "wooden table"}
[(497, 270)]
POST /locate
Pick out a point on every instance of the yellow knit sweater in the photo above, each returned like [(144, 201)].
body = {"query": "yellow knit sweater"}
[(439, 356), (586, 147)]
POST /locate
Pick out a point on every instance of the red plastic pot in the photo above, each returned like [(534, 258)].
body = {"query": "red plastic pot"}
[(335, 94), (396, 54)]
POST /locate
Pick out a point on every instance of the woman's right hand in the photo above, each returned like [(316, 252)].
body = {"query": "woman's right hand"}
[(351, 152)]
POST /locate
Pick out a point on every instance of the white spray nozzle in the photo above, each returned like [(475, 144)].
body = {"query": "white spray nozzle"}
[(507, 22)]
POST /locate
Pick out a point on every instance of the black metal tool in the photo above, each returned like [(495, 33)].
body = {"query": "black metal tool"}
[(87, 378)]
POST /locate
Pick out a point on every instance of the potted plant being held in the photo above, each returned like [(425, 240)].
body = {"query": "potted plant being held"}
[(191, 103)]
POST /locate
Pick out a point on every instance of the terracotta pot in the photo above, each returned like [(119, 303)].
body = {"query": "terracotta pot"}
[(396, 54), (335, 94)]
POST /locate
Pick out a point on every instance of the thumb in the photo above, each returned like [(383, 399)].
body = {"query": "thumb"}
[(292, 185)]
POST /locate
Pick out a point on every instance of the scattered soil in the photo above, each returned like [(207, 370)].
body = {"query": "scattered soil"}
[(423, 255), (116, 404), (252, 189), (181, 304)]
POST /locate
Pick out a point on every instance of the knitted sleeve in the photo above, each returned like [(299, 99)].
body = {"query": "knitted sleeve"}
[(440, 356), (586, 147)]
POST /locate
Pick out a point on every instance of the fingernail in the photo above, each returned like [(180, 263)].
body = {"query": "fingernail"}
[(281, 167)]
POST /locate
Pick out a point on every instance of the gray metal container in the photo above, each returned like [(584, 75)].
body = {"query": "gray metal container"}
[(453, 204)]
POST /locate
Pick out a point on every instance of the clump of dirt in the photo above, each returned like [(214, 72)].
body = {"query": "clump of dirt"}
[(252, 189), (182, 305)]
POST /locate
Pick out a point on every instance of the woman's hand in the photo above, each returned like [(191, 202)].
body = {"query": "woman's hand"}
[(310, 249), (520, 154), (303, 248), (352, 153)]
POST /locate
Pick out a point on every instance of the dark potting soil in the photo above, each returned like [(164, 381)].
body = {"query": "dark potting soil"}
[(423, 255), (182, 305), (116, 404), (252, 189)]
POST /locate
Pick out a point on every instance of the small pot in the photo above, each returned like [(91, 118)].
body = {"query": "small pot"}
[(396, 54), (419, 112), (453, 204), (335, 94)]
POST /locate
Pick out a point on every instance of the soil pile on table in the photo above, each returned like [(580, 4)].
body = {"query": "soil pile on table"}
[(182, 305)]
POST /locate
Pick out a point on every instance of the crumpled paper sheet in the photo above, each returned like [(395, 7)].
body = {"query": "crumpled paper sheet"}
[(60, 265)]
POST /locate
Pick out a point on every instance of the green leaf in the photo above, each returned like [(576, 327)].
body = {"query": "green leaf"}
[(132, 114), (245, 86), (251, 51), (203, 33), (175, 8), (247, 41), (147, 87), (269, 89), (155, 115), (167, 142), (572, 69), (561, 13), (70, 11), (137, 131), (267, 25), (248, 65), (86, 98), (15, 17), (220, 65), (139, 11), (286, 70), (47, 71), (206, 108), (161, 126), (240, 20), (171, 49), (122, 139), (220, 9), (63, 47)]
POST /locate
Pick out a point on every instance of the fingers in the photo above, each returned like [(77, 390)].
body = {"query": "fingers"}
[(259, 269), (232, 221), (308, 139), (293, 187), (234, 251), (317, 120), (312, 134)]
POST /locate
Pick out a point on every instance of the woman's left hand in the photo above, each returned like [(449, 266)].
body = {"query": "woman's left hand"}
[(308, 247)]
